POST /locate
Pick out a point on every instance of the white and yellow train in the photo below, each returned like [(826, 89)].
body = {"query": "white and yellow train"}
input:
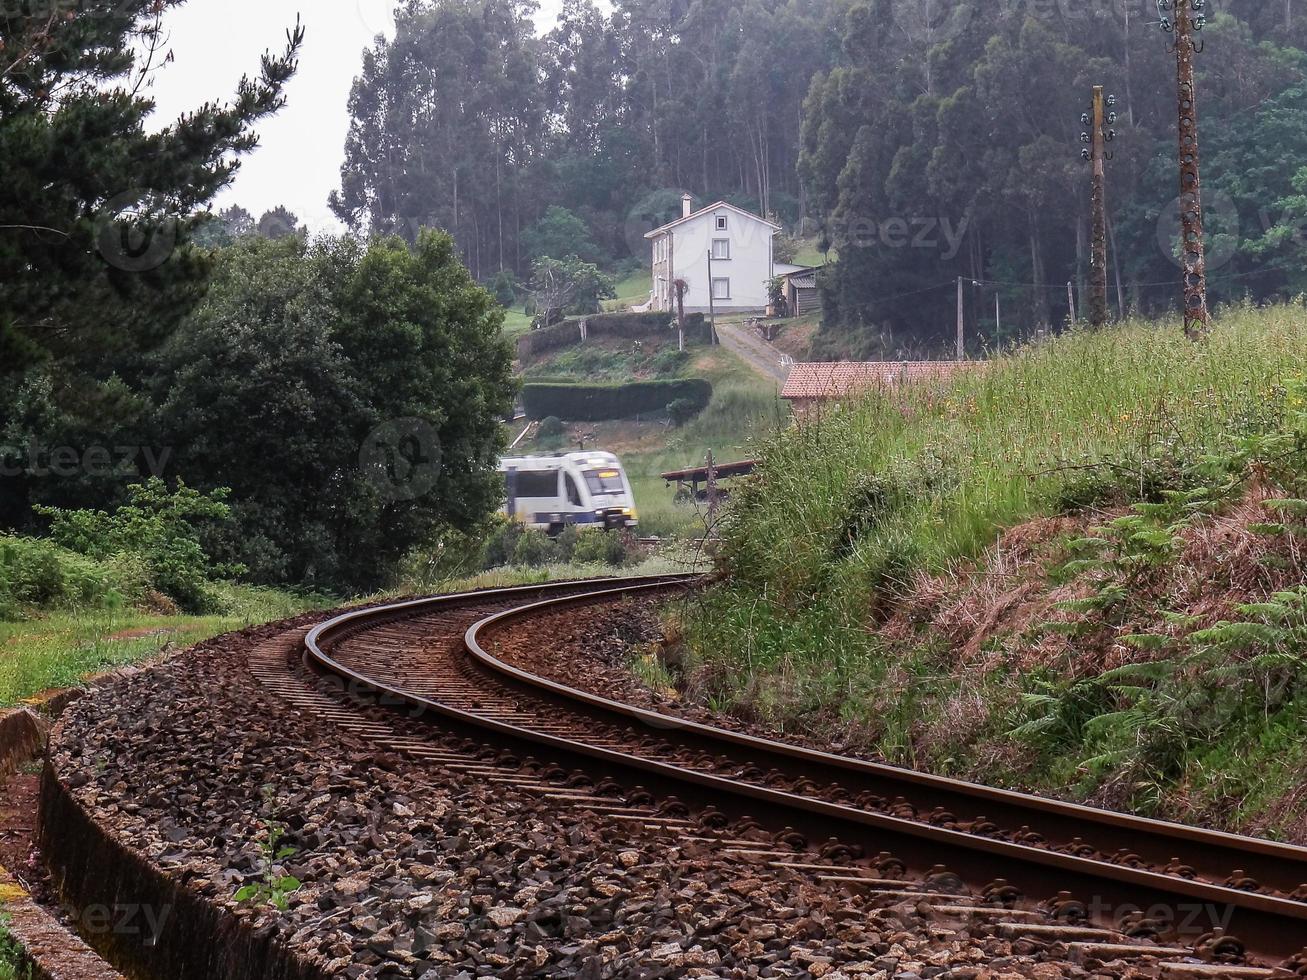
[(586, 490)]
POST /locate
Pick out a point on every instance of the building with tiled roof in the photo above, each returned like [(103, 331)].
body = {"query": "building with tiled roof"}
[(812, 383)]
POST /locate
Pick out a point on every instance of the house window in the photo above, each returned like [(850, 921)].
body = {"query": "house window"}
[(721, 248), (721, 222), (721, 289)]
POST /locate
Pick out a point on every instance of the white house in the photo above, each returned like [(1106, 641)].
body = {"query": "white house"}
[(734, 244)]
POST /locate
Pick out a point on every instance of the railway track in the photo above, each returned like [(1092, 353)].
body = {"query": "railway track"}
[(423, 678)]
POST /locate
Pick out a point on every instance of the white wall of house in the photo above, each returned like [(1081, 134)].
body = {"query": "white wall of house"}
[(742, 261)]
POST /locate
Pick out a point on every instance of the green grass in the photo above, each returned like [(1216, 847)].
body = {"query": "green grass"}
[(744, 410), (664, 562), (516, 323), (631, 291), (809, 255), (57, 649), (931, 477), (12, 965)]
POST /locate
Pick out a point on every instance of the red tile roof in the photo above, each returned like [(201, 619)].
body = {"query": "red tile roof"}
[(833, 379)]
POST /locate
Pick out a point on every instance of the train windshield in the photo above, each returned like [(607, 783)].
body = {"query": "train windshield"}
[(604, 482)]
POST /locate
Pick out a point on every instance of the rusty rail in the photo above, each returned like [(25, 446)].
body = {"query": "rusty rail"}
[(1113, 860)]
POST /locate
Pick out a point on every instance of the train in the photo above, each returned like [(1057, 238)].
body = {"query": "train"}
[(582, 490)]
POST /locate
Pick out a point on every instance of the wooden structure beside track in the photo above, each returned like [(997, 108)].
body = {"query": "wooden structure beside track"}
[(706, 475)]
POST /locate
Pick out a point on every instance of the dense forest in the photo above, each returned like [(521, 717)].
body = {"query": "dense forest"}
[(918, 142)]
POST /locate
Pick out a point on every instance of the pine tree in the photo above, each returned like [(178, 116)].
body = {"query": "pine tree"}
[(95, 210)]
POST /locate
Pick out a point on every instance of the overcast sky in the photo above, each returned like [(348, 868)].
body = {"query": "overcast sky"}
[(298, 160)]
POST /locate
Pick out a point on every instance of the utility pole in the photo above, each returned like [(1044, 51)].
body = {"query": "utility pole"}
[(1098, 254), (1071, 301), (962, 325), (998, 325), (1193, 259), (712, 303)]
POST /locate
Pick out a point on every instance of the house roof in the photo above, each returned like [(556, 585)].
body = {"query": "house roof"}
[(798, 271), (833, 379), (786, 269), (710, 208)]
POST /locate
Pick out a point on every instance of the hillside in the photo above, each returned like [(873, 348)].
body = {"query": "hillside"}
[(744, 409), (1078, 570)]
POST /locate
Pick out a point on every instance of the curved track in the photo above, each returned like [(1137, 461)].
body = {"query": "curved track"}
[(1110, 884)]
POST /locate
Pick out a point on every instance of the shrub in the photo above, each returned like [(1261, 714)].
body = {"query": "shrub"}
[(533, 549), (552, 428), (159, 527), (38, 574), (600, 548), (670, 361), (504, 287), (682, 411), (590, 403), (501, 544)]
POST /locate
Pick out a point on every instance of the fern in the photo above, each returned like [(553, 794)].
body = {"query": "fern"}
[(1229, 636), (1153, 670), (1289, 505), (1270, 530), (1147, 641)]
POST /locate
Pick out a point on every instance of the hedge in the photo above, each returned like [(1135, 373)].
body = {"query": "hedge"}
[(630, 326), (594, 403)]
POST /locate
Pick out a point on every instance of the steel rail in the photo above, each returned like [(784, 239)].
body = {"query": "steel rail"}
[(1210, 852), (1270, 925)]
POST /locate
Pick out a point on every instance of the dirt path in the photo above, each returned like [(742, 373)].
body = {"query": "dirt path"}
[(754, 351)]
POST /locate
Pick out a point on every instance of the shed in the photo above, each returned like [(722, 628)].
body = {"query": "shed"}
[(801, 291)]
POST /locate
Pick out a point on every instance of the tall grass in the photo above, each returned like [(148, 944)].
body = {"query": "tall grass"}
[(854, 501), (919, 479)]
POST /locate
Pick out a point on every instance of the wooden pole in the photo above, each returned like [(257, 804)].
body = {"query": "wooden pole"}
[(1098, 247), (962, 327), (1192, 249)]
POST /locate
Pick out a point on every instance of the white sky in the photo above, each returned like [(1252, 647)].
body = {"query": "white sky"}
[(301, 149)]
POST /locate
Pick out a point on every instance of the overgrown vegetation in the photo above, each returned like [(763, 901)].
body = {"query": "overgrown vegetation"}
[(110, 588), (12, 964), (1137, 637)]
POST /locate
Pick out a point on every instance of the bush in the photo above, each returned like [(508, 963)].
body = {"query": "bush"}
[(501, 544), (591, 403), (38, 574), (670, 361), (160, 528), (682, 411), (504, 287), (534, 549), (552, 428), (600, 548)]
